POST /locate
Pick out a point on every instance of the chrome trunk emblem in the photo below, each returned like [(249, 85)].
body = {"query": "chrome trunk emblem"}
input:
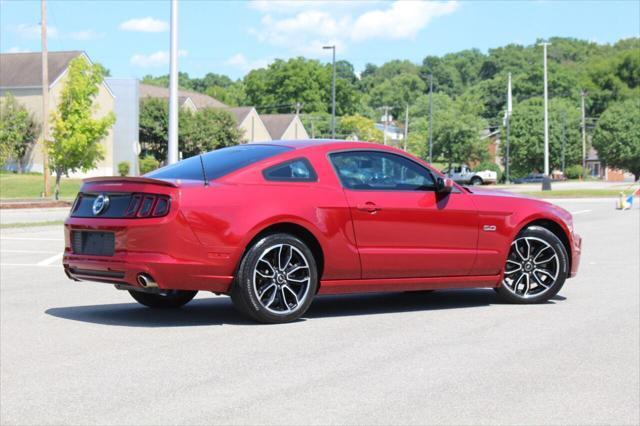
[(100, 204)]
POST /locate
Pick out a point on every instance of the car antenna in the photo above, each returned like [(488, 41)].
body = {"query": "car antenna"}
[(204, 173)]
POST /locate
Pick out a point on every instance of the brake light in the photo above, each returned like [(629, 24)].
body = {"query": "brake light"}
[(148, 205)]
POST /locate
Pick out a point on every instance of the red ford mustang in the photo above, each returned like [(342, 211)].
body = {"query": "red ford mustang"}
[(272, 225)]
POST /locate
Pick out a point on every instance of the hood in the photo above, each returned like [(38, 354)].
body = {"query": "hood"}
[(498, 193)]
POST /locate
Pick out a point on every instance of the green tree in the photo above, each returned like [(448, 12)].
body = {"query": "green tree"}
[(76, 132), (18, 131), (206, 130), (457, 129), (527, 135), (397, 92), (617, 136), (359, 127)]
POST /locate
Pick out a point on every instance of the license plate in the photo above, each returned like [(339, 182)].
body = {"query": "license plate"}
[(93, 243)]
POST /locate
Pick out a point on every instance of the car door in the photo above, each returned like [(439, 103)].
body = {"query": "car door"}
[(404, 229)]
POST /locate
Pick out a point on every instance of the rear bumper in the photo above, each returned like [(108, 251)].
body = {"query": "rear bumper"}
[(576, 251), (124, 268)]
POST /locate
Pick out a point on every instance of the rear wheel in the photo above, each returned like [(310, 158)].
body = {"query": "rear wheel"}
[(536, 267), (476, 181), (166, 300), (277, 280)]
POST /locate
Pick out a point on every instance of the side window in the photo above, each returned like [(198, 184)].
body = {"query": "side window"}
[(373, 170), (298, 170)]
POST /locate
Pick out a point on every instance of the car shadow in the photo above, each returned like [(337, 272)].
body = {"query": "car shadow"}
[(219, 310)]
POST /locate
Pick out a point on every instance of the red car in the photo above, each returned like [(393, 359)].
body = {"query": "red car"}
[(272, 225)]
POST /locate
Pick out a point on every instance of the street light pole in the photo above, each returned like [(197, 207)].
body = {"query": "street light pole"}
[(430, 118), (546, 112), (45, 99), (508, 128), (172, 151), (333, 92), (584, 136)]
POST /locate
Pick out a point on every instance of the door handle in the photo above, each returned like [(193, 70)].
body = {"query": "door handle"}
[(369, 207)]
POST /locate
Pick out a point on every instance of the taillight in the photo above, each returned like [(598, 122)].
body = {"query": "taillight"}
[(148, 205)]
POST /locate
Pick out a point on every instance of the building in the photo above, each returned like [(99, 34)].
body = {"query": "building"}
[(126, 131), (248, 120), (284, 126), (21, 75)]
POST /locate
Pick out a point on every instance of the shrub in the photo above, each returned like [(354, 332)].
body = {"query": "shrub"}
[(124, 168), (573, 172), (148, 164), (487, 165)]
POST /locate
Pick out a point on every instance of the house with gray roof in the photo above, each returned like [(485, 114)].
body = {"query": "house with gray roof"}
[(21, 75)]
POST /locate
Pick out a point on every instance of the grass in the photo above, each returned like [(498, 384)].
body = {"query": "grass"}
[(30, 224), (575, 193), (14, 185)]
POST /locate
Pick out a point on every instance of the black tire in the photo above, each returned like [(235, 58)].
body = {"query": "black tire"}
[(168, 300), (540, 274), (476, 181), (289, 299)]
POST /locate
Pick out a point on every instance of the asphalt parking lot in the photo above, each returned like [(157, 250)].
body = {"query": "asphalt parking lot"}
[(83, 353)]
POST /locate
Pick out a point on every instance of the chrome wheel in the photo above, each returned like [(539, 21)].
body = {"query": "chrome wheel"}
[(532, 267), (281, 279)]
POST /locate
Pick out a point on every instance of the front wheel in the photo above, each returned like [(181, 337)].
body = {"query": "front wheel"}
[(276, 280), (536, 267), (166, 300)]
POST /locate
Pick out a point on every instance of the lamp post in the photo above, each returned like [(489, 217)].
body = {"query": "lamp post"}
[(172, 151), (333, 92), (546, 183)]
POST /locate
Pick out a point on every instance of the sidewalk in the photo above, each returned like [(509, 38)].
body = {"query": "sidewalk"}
[(32, 215)]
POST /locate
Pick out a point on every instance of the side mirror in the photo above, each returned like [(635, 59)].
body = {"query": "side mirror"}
[(444, 185)]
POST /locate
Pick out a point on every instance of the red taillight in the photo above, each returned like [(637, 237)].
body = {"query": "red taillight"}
[(148, 205)]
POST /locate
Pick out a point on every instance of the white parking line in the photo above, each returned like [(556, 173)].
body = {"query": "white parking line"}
[(580, 212), (29, 239), (30, 251), (49, 260), (30, 265)]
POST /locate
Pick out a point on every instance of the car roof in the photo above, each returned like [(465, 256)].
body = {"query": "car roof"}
[(328, 144)]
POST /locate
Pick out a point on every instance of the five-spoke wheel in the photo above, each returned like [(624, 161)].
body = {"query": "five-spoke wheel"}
[(277, 279), (536, 267)]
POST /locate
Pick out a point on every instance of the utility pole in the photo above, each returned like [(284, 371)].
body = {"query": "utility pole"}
[(546, 111), (298, 108), (508, 128), (172, 156), (583, 94), (385, 117), (564, 137), (430, 118), (45, 99), (406, 126), (333, 92)]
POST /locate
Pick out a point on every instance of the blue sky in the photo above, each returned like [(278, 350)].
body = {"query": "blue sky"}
[(131, 38)]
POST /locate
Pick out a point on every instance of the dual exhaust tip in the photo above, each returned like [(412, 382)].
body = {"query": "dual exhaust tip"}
[(146, 281)]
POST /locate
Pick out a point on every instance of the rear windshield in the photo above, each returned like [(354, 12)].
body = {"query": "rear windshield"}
[(217, 163)]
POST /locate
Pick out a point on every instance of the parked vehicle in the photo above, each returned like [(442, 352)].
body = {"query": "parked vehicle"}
[(463, 175), (530, 178), (272, 225)]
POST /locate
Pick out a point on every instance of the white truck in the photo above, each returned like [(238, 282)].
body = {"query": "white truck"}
[(463, 175)]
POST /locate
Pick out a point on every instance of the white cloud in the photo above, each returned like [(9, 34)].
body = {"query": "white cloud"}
[(17, 49), (32, 32), (84, 35), (157, 59), (308, 26), (239, 61), (147, 25), (403, 20)]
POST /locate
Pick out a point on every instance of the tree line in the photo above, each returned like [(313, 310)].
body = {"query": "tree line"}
[(469, 96)]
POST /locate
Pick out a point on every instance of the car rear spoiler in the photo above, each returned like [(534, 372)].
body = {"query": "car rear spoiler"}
[(130, 179)]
